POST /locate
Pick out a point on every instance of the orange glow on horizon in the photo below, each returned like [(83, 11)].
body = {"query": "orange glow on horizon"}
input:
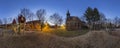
[(46, 28), (62, 27)]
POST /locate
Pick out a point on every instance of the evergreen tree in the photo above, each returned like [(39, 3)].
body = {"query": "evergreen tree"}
[(96, 16), (88, 14), (92, 16)]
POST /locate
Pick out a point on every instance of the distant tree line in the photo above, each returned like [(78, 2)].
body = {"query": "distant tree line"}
[(92, 16), (97, 20), (55, 19)]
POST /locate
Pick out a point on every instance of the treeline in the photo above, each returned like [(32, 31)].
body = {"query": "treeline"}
[(97, 20), (92, 16), (40, 15)]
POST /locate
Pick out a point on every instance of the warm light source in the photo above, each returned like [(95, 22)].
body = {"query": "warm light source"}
[(62, 27), (46, 28)]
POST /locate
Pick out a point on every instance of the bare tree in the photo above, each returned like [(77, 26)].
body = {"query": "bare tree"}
[(1, 22), (83, 18), (102, 21), (117, 21), (5, 22), (56, 19), (41, 16), (30, 17), (102, 18), (9, 20), (27, 14)]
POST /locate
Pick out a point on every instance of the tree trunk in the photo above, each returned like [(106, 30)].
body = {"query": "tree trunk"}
[(41, 26)]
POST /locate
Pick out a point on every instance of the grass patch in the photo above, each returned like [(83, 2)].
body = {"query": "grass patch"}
[(65, 33)]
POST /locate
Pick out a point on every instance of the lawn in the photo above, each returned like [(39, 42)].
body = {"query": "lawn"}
[(96, 39), (78, 39), (65, 33)]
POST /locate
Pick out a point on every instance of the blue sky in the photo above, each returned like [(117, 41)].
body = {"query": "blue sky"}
[(11, 8)]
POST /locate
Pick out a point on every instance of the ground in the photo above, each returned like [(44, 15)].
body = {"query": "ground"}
[(91, 39)]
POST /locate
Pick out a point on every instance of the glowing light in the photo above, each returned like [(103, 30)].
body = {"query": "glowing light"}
[(46, 28), (62, 27)]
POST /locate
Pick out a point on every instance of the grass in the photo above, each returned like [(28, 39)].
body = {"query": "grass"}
[(93, 39), (33, 40), (65, 33)]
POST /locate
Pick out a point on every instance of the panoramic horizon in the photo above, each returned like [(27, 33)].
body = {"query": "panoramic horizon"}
[(59, 24)]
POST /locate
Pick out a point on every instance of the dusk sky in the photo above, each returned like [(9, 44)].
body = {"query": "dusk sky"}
[(11, 8)]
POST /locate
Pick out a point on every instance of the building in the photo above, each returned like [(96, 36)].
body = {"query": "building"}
[(73, 22), (33, 25), (21, 25)]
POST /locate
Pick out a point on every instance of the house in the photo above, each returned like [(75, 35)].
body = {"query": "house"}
[(33, 25), (73, 22), (22, 24)]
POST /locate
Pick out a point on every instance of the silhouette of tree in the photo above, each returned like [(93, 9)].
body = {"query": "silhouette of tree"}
[(5, 22), (27, 14), (9, 20), (88, 14), (92, 16), (83, 18), (1, 22), (41, 16), (56, 19), (117, 21), (102, 18), (102, 21), (96, 15), (31, 16)]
